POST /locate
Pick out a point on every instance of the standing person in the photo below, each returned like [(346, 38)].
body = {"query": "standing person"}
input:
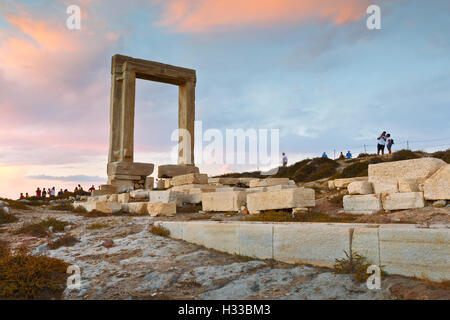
[(60, 192), (348, 155), (27, 195), (381, 143), (390, 142), (38, 192), (91, 188), (44, 193), (285, 160), (52, 192), (22, 196)]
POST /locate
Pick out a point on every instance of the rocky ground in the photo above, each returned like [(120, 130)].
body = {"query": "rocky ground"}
[(123, 260)]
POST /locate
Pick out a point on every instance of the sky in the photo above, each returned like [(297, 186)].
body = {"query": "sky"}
[(310, 69)]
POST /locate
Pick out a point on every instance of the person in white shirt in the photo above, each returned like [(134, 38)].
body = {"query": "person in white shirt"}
[(381, 143), (285, 160)]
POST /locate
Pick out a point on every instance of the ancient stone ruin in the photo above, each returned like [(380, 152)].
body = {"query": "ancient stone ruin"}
[(123, 172)]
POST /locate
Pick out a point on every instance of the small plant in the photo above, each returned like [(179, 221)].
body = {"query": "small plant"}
[(160, 231), (6, 217), (66, 206), (96, 226), (310, 216), (66, 240), (338, 199), (24, 276), (40, 229), (353, 264), (15, 204), (4, 249)]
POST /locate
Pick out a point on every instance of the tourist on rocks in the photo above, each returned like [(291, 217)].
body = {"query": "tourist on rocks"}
[(324, 155), (27, 195), (348, 155), (341, 156), (91, 188), (285, 160), (60, 192), (80, 188), (390, 142), (38, 192), (52, 192), (381, 143), (22, 196), (75, 190), (44, 193)]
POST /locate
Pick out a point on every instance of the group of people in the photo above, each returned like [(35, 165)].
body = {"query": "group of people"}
[(384, 139), (51, 192), (341, 156)]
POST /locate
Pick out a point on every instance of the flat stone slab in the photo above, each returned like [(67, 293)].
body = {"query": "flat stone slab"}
[(369, 203), (102, 206), (268, 182), (360, 187), (172, 170), (400, 249), (344, 182), (417, 169), (137, 207), (402, 201), (161, 209), (191, 178), (130, 168), (280, 199), (437, 187), (223, 201), (166, 196), (224, 181)]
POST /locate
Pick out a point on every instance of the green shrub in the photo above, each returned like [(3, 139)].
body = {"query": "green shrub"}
[(403, 155), (353, 264), (444, 155), (308, 170)]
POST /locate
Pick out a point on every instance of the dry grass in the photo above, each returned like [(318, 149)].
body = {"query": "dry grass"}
[(23, 276), (96, 226), (7, 217), (16, 204), (65, 206), (40, 229), (313, 216), (64, 241), (159, 231)]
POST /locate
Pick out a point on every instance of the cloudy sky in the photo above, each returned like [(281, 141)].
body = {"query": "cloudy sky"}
[(311, 69)]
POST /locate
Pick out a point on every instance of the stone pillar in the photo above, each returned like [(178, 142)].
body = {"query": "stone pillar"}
[(127, 117), (186, 119), (115, 116)]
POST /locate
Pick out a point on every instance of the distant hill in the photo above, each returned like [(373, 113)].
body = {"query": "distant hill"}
[(319, 168)]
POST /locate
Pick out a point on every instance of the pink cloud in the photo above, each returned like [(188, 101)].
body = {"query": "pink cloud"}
[(207, 15)]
